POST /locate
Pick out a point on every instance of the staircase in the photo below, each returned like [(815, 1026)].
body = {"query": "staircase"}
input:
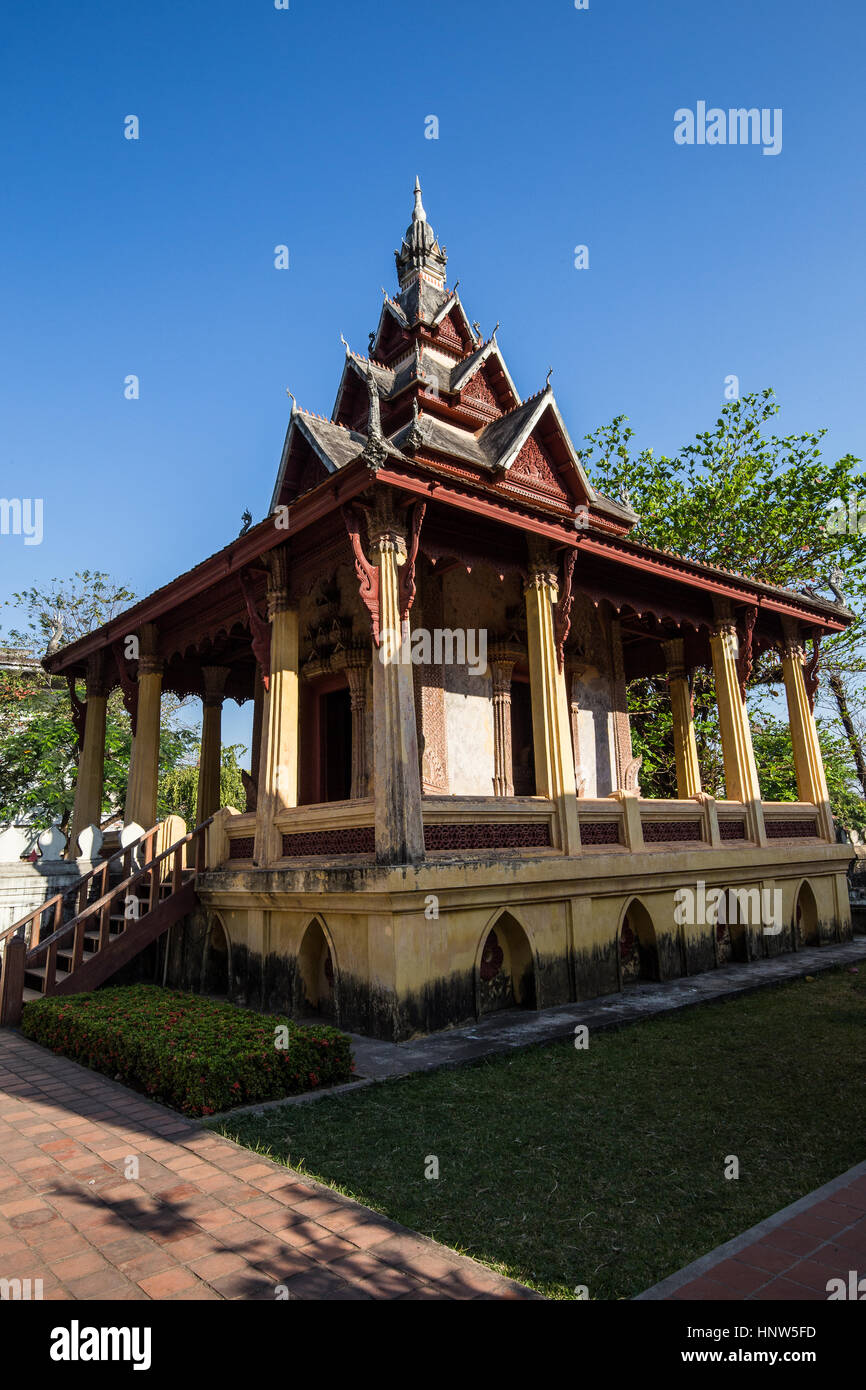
[(109, 925)]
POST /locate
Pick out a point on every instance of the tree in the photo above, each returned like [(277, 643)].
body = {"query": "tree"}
[(179, 789), (76, 606), (759, 504), (38, 742)]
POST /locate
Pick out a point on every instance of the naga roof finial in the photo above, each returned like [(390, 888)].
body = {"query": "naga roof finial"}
[(376, 449)]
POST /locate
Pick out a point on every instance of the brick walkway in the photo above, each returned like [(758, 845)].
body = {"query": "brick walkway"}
[(789, 1257), (203, 1219)]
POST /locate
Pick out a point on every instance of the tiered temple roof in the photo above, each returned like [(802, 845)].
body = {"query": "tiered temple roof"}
[(434, 413)]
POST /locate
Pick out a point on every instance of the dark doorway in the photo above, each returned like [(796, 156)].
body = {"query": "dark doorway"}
[(522, 759), (336, 729)]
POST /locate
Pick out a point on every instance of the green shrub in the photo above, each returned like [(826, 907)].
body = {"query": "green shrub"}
[(194, 1054)]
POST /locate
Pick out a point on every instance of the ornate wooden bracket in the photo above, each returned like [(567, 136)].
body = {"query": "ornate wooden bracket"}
[(810, 671), (260, 631), (407, 573), (744, 660), (368, 575), (79, 711), (128, 686), (562, 610)]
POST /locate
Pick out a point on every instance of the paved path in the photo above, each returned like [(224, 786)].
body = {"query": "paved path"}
[(517, 1028), (203, 1219), (789, 1257)]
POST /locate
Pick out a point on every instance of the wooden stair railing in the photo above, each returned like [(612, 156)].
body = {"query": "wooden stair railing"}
[(84, 952), (30, 927)]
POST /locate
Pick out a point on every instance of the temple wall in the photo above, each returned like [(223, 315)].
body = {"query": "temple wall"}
[(469, 727), (460, 602), (595, 759), (416, 950)]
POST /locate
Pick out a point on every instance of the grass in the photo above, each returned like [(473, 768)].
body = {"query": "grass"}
[(604, 1167)]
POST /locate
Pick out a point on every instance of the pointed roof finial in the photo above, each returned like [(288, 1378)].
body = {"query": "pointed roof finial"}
[(420, 251), (294, 402), (345, 345), (418, 213), (549, 375)]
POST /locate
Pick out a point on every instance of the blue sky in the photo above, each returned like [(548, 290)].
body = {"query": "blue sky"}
[(306, 127)]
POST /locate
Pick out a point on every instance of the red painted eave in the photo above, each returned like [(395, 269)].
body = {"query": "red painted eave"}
[(355, 478)]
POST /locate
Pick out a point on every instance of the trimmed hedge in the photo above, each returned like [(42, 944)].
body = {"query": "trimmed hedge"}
[(196, 1055)]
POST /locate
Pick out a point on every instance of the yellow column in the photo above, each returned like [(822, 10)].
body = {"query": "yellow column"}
[(258, 721), (91, 765), (551, 731), (741, 773), (808, 761), (210, 757), (144, 767), (685, 747), (399, 830), (278, 775)]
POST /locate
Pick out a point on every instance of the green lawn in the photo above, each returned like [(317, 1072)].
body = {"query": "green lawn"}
[(605, 1167)]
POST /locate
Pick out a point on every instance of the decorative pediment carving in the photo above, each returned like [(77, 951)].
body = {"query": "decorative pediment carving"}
[(534, 467)]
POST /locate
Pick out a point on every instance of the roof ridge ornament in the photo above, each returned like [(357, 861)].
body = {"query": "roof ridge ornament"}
[(375, 451), (834, 581), (415, 437)]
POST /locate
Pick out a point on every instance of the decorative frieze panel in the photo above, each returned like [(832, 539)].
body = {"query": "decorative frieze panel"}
[(732, 829), (792, 829), (357, 839), (531, 835), (600, 832), (242, 847), (669, 831)]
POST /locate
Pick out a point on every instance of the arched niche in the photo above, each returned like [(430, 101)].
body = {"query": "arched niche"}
[(638, 949), (216, 967), (316, 975), (806, 916), (505, 968)]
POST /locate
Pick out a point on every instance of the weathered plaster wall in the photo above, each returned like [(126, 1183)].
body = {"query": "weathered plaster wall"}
[(407, 944), (469, 726), (596, 753), (24, 886)]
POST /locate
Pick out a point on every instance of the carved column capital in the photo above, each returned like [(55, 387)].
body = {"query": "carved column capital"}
[(502, 658), (792, 640), (387, 528), (277, 562), (357, 668), (150, 661), (214, 679), (674, 653), (97, 682), (541, 573)]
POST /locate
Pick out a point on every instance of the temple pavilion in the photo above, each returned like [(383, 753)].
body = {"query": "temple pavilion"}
[(429, 837)]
